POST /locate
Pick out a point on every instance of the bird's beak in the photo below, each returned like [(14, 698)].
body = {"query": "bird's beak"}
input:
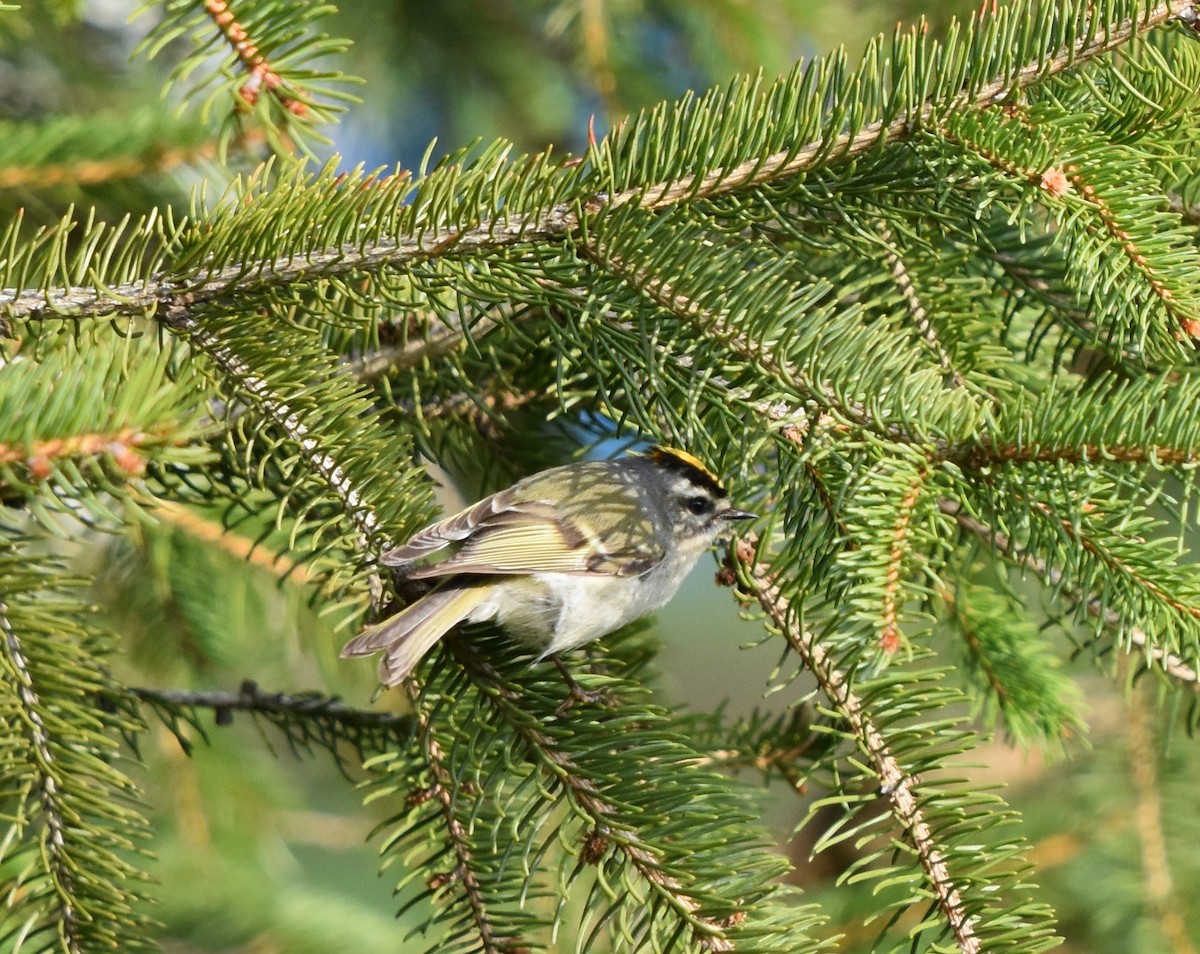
[(729, 513)]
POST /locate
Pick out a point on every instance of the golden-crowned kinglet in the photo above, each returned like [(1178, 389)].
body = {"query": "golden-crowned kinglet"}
[(559, 558)]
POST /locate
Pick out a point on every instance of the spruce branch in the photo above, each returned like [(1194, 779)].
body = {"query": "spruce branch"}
[(918, 313), (977, 456), (1113, 561), (896, 786), (236, 545), (709, 932), (54, 842), (891, 638), (124, 447), (71, 825), (250, 698), (248, 382), (252, 60), (1161, 896), (443, 789), (162, 293), (792, 378), (1170, 663)]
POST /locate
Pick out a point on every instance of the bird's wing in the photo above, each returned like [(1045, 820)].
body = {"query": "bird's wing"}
[(490, 511), (504, 535)]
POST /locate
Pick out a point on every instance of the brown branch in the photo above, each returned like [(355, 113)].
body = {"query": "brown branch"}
[(986, 454), (891, 639), (154, 159), (122, 447), (464, 872), (257, 65), (897, 787), (708, 932), (1171, 664), (240, 547), (565, 220)]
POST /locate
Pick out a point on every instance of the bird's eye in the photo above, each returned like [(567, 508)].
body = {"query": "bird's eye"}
[(699, 505)]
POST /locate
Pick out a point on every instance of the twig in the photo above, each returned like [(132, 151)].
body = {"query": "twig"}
[(920, 315), (370, 530), (891, 638), (247, 52), (709, 932), (240, 547)]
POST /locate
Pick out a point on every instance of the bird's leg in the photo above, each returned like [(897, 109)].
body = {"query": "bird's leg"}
[(577, 693)]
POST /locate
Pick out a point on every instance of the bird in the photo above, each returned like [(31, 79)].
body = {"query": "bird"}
[(559, 559)]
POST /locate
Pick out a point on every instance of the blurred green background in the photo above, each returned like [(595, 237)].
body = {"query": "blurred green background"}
[(259, 851)]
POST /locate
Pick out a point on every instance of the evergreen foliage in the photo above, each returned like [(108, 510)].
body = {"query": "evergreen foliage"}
[(934, 314)]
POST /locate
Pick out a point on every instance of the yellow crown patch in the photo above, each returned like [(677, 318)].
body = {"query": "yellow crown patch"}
[(683, 461)]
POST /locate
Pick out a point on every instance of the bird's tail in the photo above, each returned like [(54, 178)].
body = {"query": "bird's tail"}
[(411, 633)]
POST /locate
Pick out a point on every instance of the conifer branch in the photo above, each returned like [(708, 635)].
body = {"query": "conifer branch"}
[(708, 932), (1097, 549), (122, 447), (157, 292), (54, 840), (250, 698), (1118, 233), (891, 638), (919, 315), (464, 872), (242, 375), (792, 377), (154, 160), (252, 60), (874, 135), (443, 335), (985, 454), (897, 787), (1161, 896), (1171, 664), (236, 545)]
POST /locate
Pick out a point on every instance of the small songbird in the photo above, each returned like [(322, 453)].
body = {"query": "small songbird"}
[(558, 559)]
